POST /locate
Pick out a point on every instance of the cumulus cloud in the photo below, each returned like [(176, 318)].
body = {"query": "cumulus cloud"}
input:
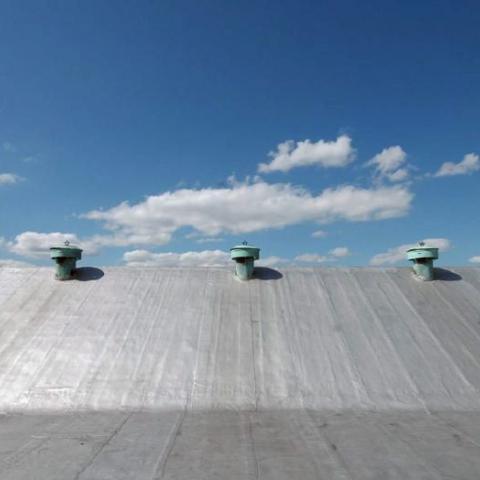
[(13, 263), (271, 261), (397, 254), (468, 165), (205, 258), (340, 252), (9, 178), (37, 244), (333, 255), (387, 164), (319, 234), (312, 258), (209, 240), (243, 208), (290, 154), (399, 175), (240, 208), (475, 259)]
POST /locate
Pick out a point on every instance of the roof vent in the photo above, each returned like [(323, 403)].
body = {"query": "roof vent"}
[(244, 256), (66, 259), (422, 257)]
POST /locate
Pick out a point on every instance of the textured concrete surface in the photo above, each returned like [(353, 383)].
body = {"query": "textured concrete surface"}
[(191, 374), (275, 445)]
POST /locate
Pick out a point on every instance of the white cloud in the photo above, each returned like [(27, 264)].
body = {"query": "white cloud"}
[(389, 159), (209, 240), (387, 164), (9, 178), (319, 234), (397, 254), (333, 255), (289, 154), (475, 259), (469, 164), (36, 245), (243, 208), (340, 252), (205, 258), (399, 175), (271, 261), (312, 258), (14, 263)]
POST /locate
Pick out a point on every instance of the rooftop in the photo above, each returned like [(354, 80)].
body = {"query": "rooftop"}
[(149, 373)]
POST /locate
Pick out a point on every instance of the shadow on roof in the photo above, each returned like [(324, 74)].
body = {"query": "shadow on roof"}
[(446, 275), (265, 273), (86, 274)]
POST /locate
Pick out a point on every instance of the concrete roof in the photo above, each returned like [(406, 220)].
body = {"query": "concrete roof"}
[(188, 373)]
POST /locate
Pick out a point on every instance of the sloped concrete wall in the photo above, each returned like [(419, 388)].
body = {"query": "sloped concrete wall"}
[(198, 339)]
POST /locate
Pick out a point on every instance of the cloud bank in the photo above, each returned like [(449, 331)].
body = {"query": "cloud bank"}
[(205, 258), (312, 258), (333, 255), (244, 208), (14, 263), (36, 245)]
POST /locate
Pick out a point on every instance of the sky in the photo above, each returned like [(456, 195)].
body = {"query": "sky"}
[(330, 133)]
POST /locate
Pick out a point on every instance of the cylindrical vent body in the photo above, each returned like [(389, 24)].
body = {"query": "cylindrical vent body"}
[(422, 257), (244, 268), (65, 268), (65, 258), (423, 268), (244, 257)]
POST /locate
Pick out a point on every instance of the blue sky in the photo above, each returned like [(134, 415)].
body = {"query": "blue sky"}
[(139, 130)]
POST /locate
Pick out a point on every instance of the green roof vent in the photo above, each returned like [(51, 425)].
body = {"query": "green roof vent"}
[(244, 256), (422, 257), (66, 260)]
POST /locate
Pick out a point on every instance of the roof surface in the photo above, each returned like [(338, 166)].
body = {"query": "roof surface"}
[(189, 373)]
